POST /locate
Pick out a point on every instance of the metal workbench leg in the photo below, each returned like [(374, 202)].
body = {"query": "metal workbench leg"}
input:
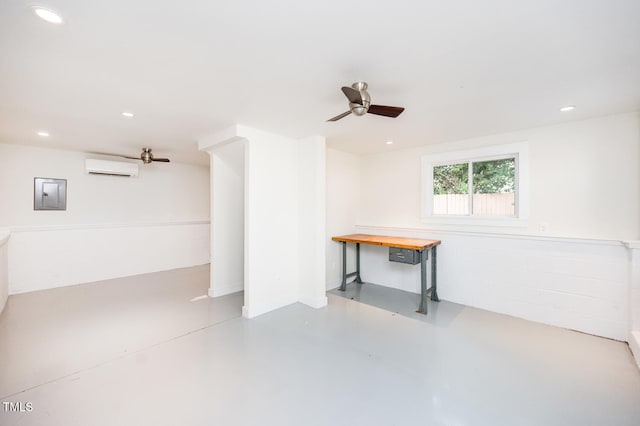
[(358, 280), (343, 286), (423, 282), (434, 284)]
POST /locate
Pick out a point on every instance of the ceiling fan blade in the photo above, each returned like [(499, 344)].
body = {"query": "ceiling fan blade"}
[(338, 117), (352, 94), (387, 111), (110, 154), (162, 160)]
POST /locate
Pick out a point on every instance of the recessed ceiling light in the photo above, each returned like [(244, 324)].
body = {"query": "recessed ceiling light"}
[(43, 134), (128, 114), (48, 15), (568, 108), (389, 142)]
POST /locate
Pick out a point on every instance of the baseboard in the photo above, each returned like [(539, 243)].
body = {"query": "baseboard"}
[(315, 302), (265, 307), (227, 289), (333, 284), (3, 302), (634, 344)]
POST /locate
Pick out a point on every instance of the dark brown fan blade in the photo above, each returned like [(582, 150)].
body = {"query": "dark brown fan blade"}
[(338, 117), (162, 160), (352, 94), (115, 155), (387, 111)]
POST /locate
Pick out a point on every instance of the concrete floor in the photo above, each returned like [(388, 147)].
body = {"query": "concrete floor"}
[(139, 351)]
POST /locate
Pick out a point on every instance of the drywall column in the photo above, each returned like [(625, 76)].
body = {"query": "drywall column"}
[(634, 298), (312, 220), (227, 218), (4, 275), (342, 189), (284, 180)]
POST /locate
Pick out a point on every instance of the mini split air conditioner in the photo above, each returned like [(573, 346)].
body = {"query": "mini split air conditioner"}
[(111, 168)]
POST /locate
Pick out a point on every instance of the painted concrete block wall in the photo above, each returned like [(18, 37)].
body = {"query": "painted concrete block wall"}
[(343, 199), (227, 218), (113, 226), (42, 258), (573, 283)]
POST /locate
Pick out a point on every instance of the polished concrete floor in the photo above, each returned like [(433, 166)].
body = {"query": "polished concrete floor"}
[(147, 350)]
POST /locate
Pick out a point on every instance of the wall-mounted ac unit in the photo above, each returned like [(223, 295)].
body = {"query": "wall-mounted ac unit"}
[(111, 168)]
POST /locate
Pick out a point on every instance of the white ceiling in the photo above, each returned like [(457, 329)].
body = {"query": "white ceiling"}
[(189, 68)]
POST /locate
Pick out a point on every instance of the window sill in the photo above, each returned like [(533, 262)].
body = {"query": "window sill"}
[(513, 222)]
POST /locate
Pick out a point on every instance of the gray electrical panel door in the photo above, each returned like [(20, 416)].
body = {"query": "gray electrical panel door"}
[(49, 194)]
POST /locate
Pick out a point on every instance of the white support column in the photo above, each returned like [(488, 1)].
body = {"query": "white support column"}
[(227, 212), (284, 218), (312, 223), (634, 298)]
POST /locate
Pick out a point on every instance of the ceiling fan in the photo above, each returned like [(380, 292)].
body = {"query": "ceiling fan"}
[(146, 156), (360, 103)]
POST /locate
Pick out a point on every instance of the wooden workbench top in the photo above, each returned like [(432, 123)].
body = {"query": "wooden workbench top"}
[(381, 240)]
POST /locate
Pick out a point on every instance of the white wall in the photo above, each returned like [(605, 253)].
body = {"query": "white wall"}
[(634, 298), (584, 185), (573, 283), (4, 277), (284, 218), (227, 218), (343, 199), (584, 180), (312, 219), (113, 226), (271, 250)]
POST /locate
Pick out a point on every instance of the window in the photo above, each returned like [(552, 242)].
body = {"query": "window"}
[(482, 186)]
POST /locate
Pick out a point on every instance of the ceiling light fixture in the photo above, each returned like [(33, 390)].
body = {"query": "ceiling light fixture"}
[(568, 108), (389, 142), (128, 114), (48, 15), (43, 134)]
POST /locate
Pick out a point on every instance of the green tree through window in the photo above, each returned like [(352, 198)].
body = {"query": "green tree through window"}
[(493, 183), (496, 176), (451, 179)]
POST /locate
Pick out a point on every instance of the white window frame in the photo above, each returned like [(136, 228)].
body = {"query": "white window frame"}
[(519, 151)]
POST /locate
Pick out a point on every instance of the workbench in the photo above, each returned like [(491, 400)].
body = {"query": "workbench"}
[(421, 248)]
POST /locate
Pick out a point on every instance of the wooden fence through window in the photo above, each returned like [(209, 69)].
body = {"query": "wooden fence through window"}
[(502, 204)]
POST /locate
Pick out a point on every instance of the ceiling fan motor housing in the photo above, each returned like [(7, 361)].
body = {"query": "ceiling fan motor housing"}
[(146, 156), (358, 109)]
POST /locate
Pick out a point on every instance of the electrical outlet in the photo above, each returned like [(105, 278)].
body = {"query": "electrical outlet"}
[(543, 227)]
